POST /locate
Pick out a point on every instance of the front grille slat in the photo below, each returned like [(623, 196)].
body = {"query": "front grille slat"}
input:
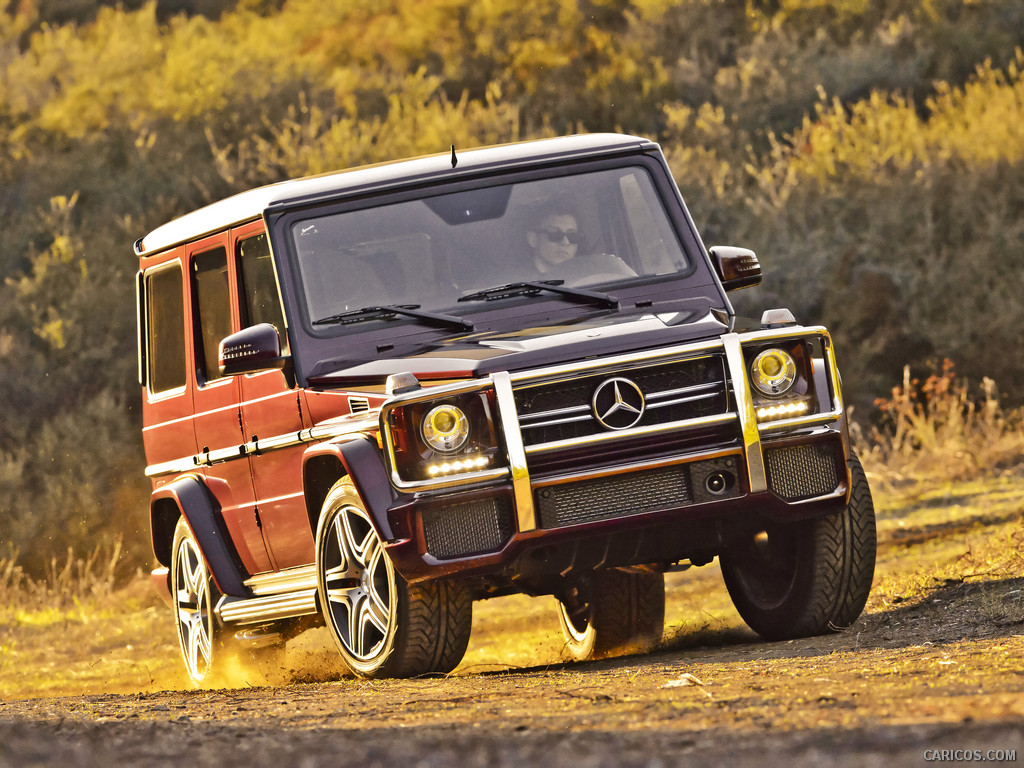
[(673, 390)]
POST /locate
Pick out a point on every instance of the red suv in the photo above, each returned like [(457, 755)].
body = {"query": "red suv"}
[(375, 396)]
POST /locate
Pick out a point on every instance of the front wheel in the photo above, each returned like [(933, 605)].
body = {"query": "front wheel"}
[(382, 625), (613, 612), (806, 578)]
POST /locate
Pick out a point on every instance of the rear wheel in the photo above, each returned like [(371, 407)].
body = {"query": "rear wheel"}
[(810, 577), (209, 647), (611, 613), (204, 642), (382, 625)]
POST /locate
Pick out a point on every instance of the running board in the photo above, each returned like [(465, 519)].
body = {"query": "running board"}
[(259, 610)]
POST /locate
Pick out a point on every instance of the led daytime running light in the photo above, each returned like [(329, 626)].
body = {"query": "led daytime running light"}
[(782, 410), (469, 464)]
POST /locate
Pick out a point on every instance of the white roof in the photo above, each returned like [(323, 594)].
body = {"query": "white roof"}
[(250, 205)]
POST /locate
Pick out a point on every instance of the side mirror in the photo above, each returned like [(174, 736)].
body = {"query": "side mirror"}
[(736, 267), (257, 348)]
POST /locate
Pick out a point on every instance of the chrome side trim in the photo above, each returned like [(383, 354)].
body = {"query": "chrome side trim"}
[(745, 410), (270, 608), (257, 446), (289, 580), (526, 515)]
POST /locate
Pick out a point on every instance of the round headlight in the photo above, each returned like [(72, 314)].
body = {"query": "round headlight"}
[(773, 372), (445, 428)]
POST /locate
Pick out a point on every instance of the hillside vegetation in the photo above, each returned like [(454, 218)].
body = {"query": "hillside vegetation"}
[(870, 151)]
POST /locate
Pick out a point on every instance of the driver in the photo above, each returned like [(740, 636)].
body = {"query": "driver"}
[(554, 240), (554, 243)]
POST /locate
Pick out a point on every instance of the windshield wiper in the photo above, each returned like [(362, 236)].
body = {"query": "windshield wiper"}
[(530, 288), (383, 311)]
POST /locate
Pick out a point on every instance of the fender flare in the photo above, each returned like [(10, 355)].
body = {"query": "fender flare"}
[(358, 457), (189, 497)]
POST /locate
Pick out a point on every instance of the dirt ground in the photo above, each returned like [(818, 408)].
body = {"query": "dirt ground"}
[(932, 672)]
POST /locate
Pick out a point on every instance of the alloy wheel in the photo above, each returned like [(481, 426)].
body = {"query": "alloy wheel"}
[(359, 583)]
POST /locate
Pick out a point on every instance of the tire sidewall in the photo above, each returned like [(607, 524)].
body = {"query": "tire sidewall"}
[(183, 533), (834, 560), (343, 494)]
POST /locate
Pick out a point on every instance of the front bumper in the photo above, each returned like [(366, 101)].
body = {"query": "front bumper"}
[(659, 492)]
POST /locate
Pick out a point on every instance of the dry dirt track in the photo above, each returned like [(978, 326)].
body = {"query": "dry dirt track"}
[(932, 673), (943, 673)]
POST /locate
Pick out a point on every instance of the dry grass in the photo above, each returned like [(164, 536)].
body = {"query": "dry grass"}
[(81, 629), (937, 430)]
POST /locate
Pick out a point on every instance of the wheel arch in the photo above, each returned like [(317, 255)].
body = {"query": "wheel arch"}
[(189, 497), (359, 458)]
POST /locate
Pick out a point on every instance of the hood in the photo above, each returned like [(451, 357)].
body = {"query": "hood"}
[(479, 354)]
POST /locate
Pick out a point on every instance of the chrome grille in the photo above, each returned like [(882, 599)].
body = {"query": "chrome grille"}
[(673, 391)]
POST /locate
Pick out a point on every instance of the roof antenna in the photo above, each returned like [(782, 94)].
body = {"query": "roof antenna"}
[(455, 160)]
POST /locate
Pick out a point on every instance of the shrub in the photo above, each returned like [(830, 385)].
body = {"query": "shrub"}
[(940, 428)]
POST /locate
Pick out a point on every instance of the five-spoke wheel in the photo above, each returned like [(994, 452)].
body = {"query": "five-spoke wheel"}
[(194, 595), (383, 626), (358, 584)]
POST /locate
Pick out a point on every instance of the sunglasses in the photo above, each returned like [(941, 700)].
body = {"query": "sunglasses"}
[(558, 235)]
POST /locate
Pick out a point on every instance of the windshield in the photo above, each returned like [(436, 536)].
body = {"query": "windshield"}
[(449, 253)]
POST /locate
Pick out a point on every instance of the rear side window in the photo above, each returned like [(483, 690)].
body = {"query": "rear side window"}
[(212, 310), (165, 329)]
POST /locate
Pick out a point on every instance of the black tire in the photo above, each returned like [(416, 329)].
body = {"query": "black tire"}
[(810, 577), (615, 612), (204, 642), (382, 625)]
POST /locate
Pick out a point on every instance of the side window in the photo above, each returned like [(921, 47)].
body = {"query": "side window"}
[(260, 302), (212, 308), (165, 329)]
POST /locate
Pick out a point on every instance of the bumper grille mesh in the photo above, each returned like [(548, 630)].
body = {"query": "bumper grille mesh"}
[(801, 471), (467, 528), (605, 498)]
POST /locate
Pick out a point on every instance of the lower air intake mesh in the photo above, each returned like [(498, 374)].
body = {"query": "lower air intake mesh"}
[(801, 471), (606, 498), (467, 528)]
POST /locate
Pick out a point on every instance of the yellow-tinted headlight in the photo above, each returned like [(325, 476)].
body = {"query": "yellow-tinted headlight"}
[(445, 428), (773, 372)]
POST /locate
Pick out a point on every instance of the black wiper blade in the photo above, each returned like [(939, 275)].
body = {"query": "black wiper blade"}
[(382, 311), (528, 288)]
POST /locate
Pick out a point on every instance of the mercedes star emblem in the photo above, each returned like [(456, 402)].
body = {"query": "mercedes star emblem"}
[(618, 403)]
